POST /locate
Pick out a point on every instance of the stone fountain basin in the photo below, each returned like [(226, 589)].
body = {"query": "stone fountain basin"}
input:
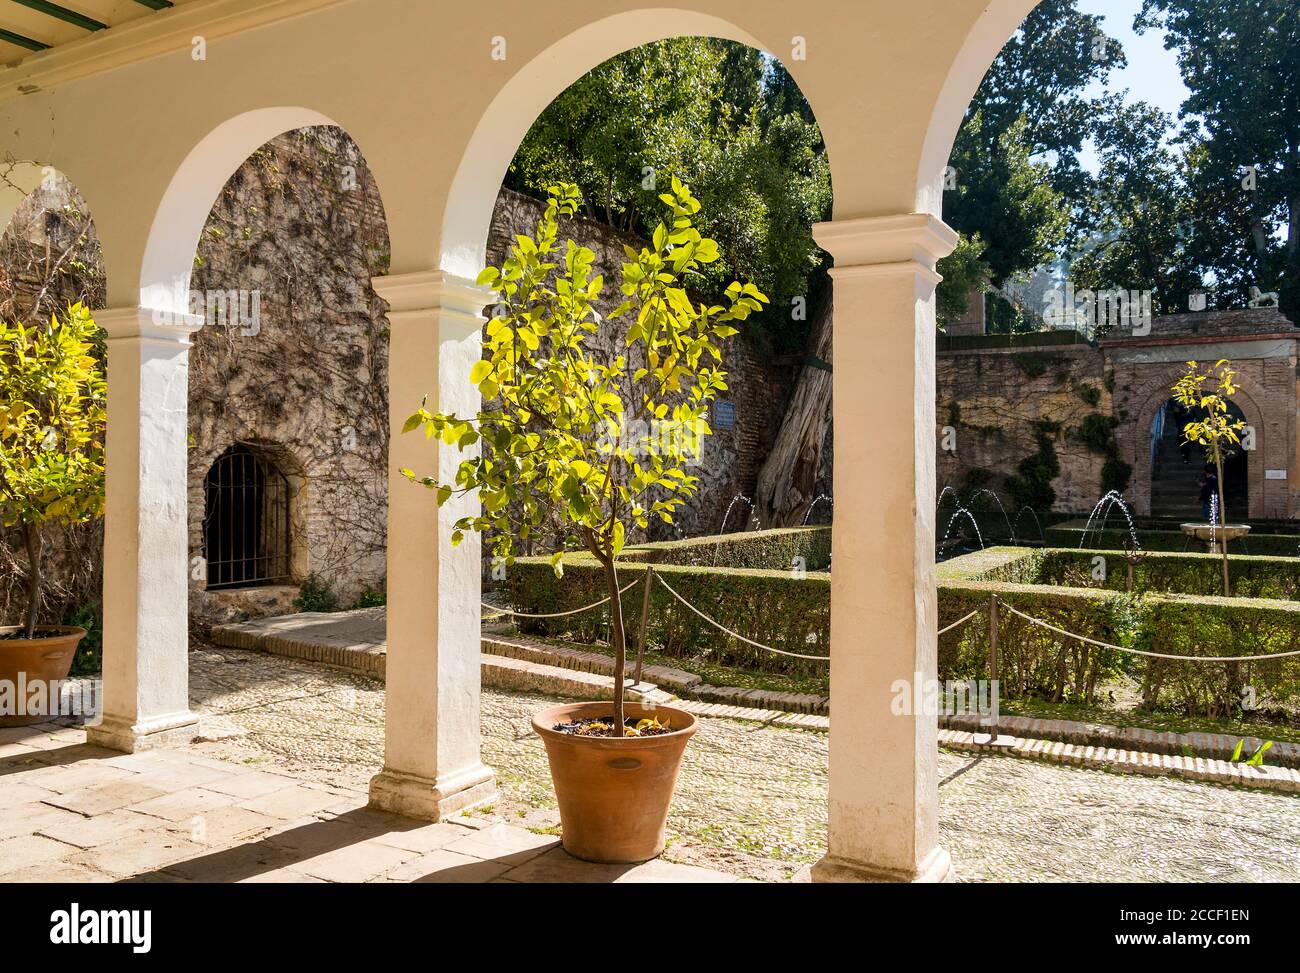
[(1224, 532)]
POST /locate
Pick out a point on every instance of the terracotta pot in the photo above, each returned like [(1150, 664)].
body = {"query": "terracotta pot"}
[(39, 659), (614, 793)]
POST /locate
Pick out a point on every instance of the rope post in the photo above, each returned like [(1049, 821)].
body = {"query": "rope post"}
[(993, 665), (645, 619)]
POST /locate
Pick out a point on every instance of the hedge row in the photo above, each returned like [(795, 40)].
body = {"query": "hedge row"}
[(1189, 574), (1031, 660), (791, 611), (765, 549), (1183, 625), (1038, 662), (1268, 545), (783, 609)]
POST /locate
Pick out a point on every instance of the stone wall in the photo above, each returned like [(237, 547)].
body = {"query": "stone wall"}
[(992, 403), (1262, 345), (298, 231)]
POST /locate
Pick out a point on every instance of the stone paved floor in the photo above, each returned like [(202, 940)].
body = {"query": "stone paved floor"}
[(751, 801), (70, 812)]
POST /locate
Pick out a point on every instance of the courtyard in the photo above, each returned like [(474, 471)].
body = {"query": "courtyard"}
[(426, 370), (279, 794)]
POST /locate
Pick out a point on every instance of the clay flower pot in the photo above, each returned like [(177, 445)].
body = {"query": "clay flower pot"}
[(614, 793), (46, 659)]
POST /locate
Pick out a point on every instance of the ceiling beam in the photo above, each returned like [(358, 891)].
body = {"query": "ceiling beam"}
[(21, 41), (155, 4), (63, 14)]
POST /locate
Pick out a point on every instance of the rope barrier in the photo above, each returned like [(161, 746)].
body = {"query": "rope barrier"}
[(576, 611), (1151, 655), (737, 635), (961, 621)]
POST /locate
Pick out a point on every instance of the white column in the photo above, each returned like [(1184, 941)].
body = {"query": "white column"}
[(146, 558), (883, 763), (432, 766)]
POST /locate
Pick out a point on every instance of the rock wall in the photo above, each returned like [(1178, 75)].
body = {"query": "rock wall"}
[(993, 404)]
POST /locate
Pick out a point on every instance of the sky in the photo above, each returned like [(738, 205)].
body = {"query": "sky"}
[(1152, 72)]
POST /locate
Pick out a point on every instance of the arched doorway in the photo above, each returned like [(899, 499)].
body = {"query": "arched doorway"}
[(1178, 467), (246, 523)]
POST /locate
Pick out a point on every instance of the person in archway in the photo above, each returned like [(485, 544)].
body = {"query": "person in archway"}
[(1209, 491)]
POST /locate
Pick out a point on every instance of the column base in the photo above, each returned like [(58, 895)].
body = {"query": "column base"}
[(936, 868), (432, 800), (117, 733)]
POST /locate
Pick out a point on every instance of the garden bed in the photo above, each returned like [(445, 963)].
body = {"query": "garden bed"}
[(789, 609)]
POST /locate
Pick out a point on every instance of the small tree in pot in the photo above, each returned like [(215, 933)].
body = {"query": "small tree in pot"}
[(52, 417), (600, 442)]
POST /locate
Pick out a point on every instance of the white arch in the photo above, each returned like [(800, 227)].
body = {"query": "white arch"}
[(174, 233), (512, 112), (19, 181), (986, 39)]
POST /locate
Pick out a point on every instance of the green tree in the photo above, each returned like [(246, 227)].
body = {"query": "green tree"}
[(600, 445), (1241, 62), (1017, 180), (723, 118), (1140, 212), (52, 417)]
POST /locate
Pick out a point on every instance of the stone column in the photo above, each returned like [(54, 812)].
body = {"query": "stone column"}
[(146, 557), (883, 761), (432, 767)]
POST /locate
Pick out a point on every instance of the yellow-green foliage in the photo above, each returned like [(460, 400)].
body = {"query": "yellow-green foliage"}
[(52, 414), (569, 440)]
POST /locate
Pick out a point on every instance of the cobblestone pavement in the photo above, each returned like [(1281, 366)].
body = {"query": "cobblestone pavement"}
[(751, 799)]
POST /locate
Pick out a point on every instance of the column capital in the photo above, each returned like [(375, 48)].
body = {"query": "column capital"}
[(907, 241), (432, 289), (151, 324)]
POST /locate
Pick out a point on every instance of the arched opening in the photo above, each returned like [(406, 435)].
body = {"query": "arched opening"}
[(50, 255), (293, 351), (247, 537), (764, 461), (50, 258), (1178, 467)]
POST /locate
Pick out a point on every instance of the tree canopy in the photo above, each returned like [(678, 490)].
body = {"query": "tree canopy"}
[(717, 115), (1241, 64)]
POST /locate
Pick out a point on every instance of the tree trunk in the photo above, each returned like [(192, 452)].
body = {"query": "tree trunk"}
[(32, 537), (617, 641), (1223, 520), (787, 482)]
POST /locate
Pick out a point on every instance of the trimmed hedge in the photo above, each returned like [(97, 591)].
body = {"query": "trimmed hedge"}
[(791, 611), (1176, 624), (1183, 625), (1031, 660), (765, 549), (1189, 574), (776, 608), (1266, 545)]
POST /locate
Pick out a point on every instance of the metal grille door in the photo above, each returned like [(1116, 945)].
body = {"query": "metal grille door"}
[(246, 520)]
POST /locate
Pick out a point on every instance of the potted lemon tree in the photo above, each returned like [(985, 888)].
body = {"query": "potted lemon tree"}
[(52, 414), (599, 443)]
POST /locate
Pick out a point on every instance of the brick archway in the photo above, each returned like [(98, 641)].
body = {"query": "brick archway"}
[(1135, 436)]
